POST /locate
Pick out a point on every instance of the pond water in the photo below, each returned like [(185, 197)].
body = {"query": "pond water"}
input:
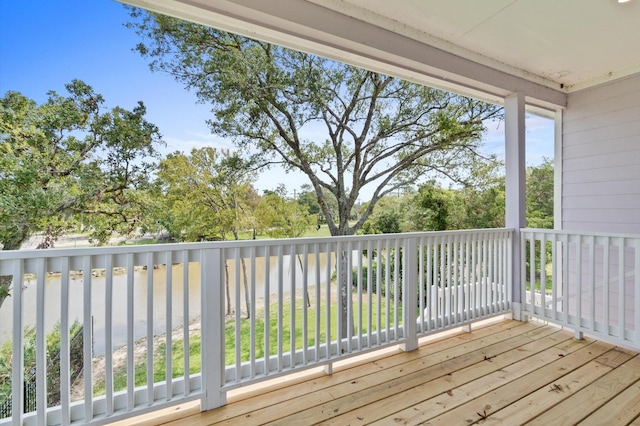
[(140, 296)]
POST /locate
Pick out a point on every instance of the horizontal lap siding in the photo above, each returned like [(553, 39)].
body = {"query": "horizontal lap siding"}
[(601, 159)]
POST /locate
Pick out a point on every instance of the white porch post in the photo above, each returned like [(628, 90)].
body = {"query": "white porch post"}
[(557, 172), (212, 308), (514, 108)]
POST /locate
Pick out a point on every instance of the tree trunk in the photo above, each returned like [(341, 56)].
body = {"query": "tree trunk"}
[(245, 281), (344, 293), (303, 272), (226, 284)]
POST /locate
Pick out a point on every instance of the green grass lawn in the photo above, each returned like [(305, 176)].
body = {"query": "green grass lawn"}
[(120, 374), (245, 330), (549, 280)]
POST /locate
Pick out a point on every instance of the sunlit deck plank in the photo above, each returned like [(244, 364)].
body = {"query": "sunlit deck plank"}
[(442, 386), (590, 399), (620, 410), (565, 387), (479, 379), (514, 390), (392, 392), (272, 405)]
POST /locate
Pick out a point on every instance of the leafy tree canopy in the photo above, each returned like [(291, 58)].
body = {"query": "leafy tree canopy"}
[(207, 194), (345, 128), (69, 156), (433, 208), (540, 195), (283, 218)]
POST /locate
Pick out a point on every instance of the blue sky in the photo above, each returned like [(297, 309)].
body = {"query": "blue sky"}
[(46, 44)]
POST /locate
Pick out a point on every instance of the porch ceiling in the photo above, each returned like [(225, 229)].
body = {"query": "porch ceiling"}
[(488, 49), (575, 43)]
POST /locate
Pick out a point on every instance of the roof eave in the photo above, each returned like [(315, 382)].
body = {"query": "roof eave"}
[(308, 27)]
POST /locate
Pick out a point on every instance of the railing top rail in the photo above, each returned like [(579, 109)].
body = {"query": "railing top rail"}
[(147, 248), (583, 233)]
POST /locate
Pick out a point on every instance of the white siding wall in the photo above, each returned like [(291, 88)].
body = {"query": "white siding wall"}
[(601, 158)]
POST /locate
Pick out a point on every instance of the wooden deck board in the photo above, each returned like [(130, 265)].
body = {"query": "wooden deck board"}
[(505, 373), (405, 379), (260, 410), (592, 397), (465, 396), (538, 402), (443, 387), (622, 409), (513, 387)]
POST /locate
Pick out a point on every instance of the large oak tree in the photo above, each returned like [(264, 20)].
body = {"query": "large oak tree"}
[(345, 128)]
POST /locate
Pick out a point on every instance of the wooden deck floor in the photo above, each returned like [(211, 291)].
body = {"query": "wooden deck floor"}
[(504, 373)]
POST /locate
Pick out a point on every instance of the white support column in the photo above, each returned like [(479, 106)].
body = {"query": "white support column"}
[(514, 108), (557, 172)]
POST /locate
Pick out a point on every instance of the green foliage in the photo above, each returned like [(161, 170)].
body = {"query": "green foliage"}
[(437, 209), (388, 222), (435, 204), (540, 195), (282, 218), (381, 132), (537, 271), (308, 199), (5, 286), (206, 194), (287, 332), (376, 269), (68, 156), (52, 344), (387, 217), (177, 352), (159, 364), (485, 209), (480, 206)]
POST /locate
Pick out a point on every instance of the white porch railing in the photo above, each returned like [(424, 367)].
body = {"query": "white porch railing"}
[(166, 324), (585, 281)]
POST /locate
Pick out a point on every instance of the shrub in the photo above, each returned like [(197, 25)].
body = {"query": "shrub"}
[(53, 366)]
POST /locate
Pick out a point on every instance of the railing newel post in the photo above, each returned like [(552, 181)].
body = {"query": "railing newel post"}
[(410, 295), (212, 319)]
